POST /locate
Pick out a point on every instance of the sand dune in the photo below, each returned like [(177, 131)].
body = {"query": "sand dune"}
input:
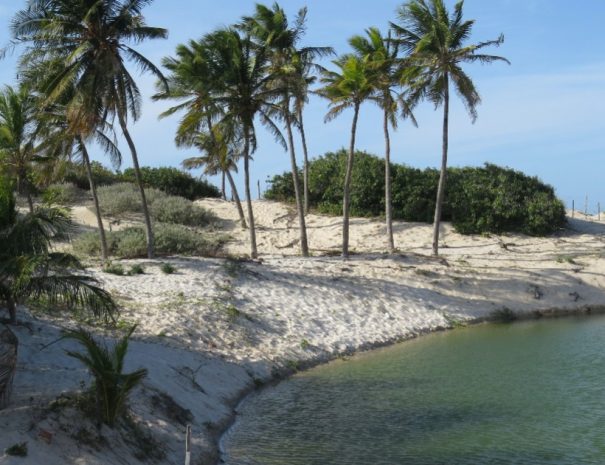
[(217, 327)]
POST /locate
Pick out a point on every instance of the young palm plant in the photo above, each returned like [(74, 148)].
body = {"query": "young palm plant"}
[(29, 268), (347, 88), (111, 387), (382, 56), (91, 38), (436, 43)]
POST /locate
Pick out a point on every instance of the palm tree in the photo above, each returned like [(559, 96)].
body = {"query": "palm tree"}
[(271, 28), (435, 41), (64, 141), (383, 62), (19, 148), (220, 147), (30, 269), (194, 83), (345, 89), (91, 38), (245, 95)]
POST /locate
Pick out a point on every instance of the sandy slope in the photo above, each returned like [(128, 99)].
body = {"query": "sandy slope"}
[(216, 327)]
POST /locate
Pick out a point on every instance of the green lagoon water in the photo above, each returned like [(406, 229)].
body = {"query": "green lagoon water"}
[(527, 393)]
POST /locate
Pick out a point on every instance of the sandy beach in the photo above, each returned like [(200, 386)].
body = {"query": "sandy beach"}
[(219, 327)]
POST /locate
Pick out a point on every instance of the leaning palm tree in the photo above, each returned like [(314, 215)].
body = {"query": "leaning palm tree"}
[(29, 268), (348, 88), (20, 149), (270, 26), (91, 39), (384, 65), (435, 41), (245, 95), (220, 154)]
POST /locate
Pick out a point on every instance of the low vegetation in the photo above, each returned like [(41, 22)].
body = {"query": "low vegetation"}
[(63, 194), (488, 199), (122, 198), (171, 239)]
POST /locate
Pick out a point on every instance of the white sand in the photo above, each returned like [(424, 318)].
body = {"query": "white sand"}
[(210, 331)]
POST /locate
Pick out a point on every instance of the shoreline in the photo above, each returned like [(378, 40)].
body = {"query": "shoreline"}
[(218, 328), (586, 312)]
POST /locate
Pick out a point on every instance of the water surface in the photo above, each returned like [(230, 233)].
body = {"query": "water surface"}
[(526, 393)]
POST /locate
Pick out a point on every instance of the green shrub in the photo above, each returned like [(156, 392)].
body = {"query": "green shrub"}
[(167, 268), (63, 194), (17, 450), (173, 181), (8, 209), (177, 210), (477, 200), (76, 174), (136, 269), (170, 239), (118, 199), (116, 269), (124, 197)]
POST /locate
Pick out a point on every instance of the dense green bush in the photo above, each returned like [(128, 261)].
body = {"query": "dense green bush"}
[(484, 199), (7, 202), (170, 239), (173, 182), (63, 194), (76, 174), (124, 197)]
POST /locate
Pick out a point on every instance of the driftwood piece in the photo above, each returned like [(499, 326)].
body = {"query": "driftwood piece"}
[(8, 363)]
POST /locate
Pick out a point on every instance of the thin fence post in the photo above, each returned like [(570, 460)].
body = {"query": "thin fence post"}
[(188, 446), (258, 187), (573, 208)]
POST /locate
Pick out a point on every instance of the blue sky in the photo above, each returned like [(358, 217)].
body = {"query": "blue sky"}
[(544, 114)]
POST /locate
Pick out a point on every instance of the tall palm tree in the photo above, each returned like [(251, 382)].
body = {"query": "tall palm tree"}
[(436, 43), (347, 88), (270, 26), (20, 149), (195, 83), (91, 37), (220, 148), (30, 268), (245, 95)]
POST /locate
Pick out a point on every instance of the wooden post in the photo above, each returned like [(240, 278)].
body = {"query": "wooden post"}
[(258, 187), (188, 446), (573, 208)]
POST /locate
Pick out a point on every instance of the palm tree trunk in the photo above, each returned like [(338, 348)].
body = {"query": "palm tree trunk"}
[(253, 250), (137, 174), (235, 195), (12, 310), (346, 201), (304, 247), (30, 202), (223, 186), (387, 185), (441, 187), (306, 161), (93, 191)]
